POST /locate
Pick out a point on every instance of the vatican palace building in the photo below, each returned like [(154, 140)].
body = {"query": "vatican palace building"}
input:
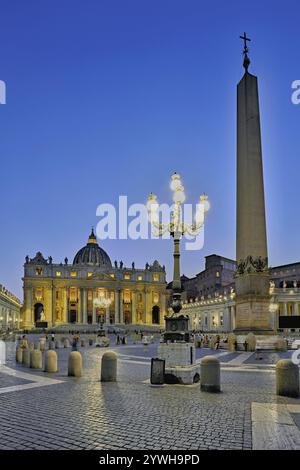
[(92, 291)]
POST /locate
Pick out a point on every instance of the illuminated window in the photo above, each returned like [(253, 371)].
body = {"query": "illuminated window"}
[(155, 277), (90, 274), (140, 278), (73, 274), (112, 275), (127, 276), (58, 273), (39, 271), (217, 274)]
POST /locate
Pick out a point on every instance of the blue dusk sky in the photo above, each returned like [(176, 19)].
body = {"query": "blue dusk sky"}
[(110, 97)]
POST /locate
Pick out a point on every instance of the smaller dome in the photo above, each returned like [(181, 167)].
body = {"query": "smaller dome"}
[(92, 254)]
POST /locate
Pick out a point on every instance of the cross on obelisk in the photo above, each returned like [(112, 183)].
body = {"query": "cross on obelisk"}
[(245, 52)]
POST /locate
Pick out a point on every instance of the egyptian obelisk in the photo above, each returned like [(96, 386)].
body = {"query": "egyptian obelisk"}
[(252, 278)]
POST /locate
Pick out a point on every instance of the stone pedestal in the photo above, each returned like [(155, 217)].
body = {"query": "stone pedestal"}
[(253, 304), (180, 366)]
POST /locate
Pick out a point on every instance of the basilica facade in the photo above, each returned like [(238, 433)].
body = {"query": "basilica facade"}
[(91, 290)]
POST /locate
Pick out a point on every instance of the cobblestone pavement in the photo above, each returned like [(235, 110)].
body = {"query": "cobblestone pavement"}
[(130, 414)]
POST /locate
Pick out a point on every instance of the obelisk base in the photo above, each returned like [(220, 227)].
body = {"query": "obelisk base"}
[(253, 304)]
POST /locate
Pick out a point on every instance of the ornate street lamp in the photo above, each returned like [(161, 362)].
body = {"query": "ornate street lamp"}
[(177, 228)]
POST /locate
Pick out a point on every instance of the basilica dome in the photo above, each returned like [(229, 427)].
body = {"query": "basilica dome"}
[(92, 254)]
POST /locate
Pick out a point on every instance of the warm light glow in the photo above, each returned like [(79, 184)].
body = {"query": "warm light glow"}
[(175, 182), (152, 204), (90, 274), (179, 196), (73, 274), (58, 273), (127, 276), (204, 200), (140, 278)]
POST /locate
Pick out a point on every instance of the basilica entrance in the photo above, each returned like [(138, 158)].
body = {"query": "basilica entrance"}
[(127, 317), (38, 312), (155, 315), (73, 316)]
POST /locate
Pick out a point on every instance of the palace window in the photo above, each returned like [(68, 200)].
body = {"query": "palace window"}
[(58, 273), (127, 276), (217, 274), (112, 275), (39, 271), (140, 278), (73, 274), (90, 274), (156, 277)]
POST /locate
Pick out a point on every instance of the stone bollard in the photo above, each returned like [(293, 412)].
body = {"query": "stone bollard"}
[(52, 345), (109, 367), (42, 344), (66, 343), (75, 364), (19, 355), (210, 374), (287, 378), (50, 361), (36, 359), (26, 357)]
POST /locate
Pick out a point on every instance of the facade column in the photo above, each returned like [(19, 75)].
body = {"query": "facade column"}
[(121, 306), (94, 307), (284, 309), (65, 318), (295, 308), (133, 307), (117, 304), (232, 316), (28, 320), (107, 310), (49, 310), (54, 319), (227, 319), (162, 310), (79, 305), (147, 306), (84, 306)]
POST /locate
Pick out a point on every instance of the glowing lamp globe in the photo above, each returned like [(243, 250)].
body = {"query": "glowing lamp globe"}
[(204, 200), (175, 182), (179, 196), (152, 204)]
